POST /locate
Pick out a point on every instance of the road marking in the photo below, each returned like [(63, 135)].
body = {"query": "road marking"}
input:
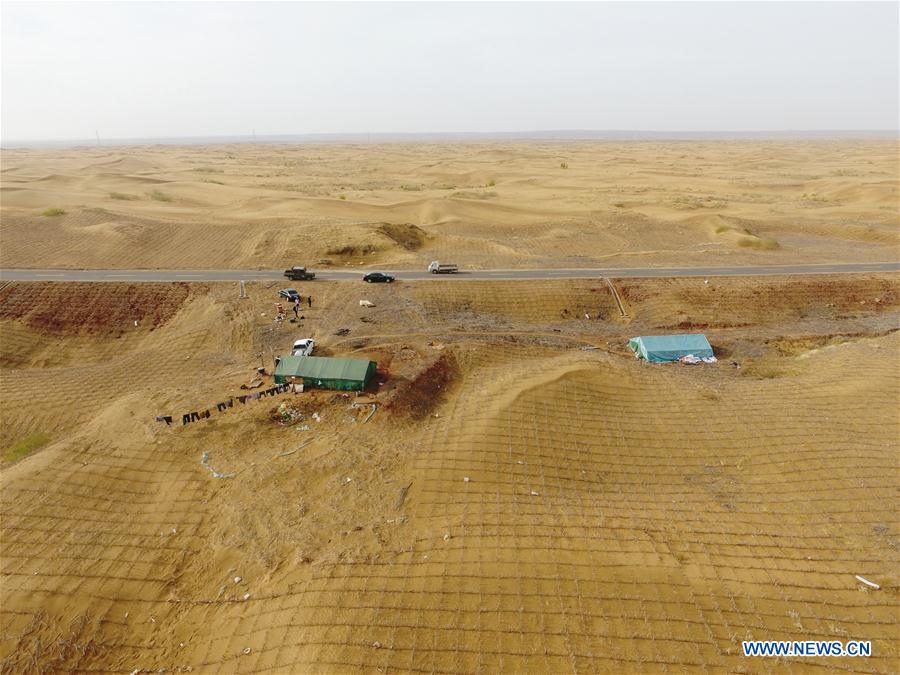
[(128, 276)]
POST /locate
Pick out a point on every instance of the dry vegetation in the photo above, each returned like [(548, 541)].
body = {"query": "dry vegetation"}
[(517, 503), (481, 205)]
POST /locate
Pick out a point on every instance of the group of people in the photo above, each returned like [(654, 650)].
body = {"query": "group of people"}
[(297, 306)]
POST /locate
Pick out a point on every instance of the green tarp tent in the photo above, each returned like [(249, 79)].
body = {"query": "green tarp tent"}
[(326, 373), (661, 348)]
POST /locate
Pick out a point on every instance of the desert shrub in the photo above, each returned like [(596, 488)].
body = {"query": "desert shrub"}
[(409, 236), (160, 196), (411, 188), (762, 243), (53, 212), (352, 250), (123, 196), (563, 165), (26, 446)]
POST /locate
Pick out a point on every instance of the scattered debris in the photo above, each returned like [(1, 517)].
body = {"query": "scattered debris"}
[(689, 359), (252, 384), (347, 480), (465, 479), (366, 303), (237, 580), (287, 414), (402, 498), (291, 452), (204, 460), (342, 331), (535, 494), (246, 651), (246, 596), (372, 412), (447, 536), (871, 584)]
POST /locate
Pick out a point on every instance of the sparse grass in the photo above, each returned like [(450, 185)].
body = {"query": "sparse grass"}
[(160, 196), (215, 182), (563, 165), (208, 169), (344, 197), (411, 188), (123, 196), (723, 228), (469, 194), (26, 446), (50, 213), (762, 243)]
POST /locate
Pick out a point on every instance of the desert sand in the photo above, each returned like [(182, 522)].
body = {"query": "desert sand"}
[(481, 205), (527, 496)]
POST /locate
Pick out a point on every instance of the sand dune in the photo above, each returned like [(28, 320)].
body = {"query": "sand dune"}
[(657, 203)]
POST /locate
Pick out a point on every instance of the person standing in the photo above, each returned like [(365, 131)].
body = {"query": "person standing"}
[(309, 301)]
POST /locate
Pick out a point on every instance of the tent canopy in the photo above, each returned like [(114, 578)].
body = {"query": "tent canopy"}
[(661, 348), (331, 373)]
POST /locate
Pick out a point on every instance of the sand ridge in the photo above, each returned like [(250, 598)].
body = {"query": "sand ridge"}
[(479, 204)]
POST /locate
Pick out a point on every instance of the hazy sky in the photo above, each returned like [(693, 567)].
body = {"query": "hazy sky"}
[(197, 69)]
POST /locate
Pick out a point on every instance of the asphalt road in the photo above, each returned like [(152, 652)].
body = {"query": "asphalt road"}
[(326, 274)]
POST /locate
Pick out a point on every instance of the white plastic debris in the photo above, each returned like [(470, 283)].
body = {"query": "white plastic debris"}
[(870, 584), (366, 303), (246, 596), (534, 494), (237, 580), (465, 479), (246, 651)]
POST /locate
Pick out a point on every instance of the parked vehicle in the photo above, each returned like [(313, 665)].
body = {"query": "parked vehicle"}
[(299, 274), (442, 268), (290, 294), (378, 277), (303, 347)]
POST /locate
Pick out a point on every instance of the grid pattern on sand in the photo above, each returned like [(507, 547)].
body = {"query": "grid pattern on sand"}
[(617, 516)]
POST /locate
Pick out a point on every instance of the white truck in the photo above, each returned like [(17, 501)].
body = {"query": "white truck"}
[(303, 347), (442, 268)]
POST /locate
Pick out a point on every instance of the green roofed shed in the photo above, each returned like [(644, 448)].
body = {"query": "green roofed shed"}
[(661, 348), (325, 373)]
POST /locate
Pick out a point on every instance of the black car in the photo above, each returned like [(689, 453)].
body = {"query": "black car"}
[(375, 277), (289, 294)]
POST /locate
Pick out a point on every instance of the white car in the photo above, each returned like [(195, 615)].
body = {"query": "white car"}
[(303, 347)]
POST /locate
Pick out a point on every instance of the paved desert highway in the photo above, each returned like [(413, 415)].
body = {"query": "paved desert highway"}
[(327, 274)]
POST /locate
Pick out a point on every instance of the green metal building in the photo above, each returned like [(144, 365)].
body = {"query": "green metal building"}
[(325, 373), (662, 348)]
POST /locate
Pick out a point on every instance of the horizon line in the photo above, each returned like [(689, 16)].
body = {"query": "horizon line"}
[(538, 134)]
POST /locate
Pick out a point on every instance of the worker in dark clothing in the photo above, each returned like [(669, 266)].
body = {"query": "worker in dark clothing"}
[(309, 301)]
